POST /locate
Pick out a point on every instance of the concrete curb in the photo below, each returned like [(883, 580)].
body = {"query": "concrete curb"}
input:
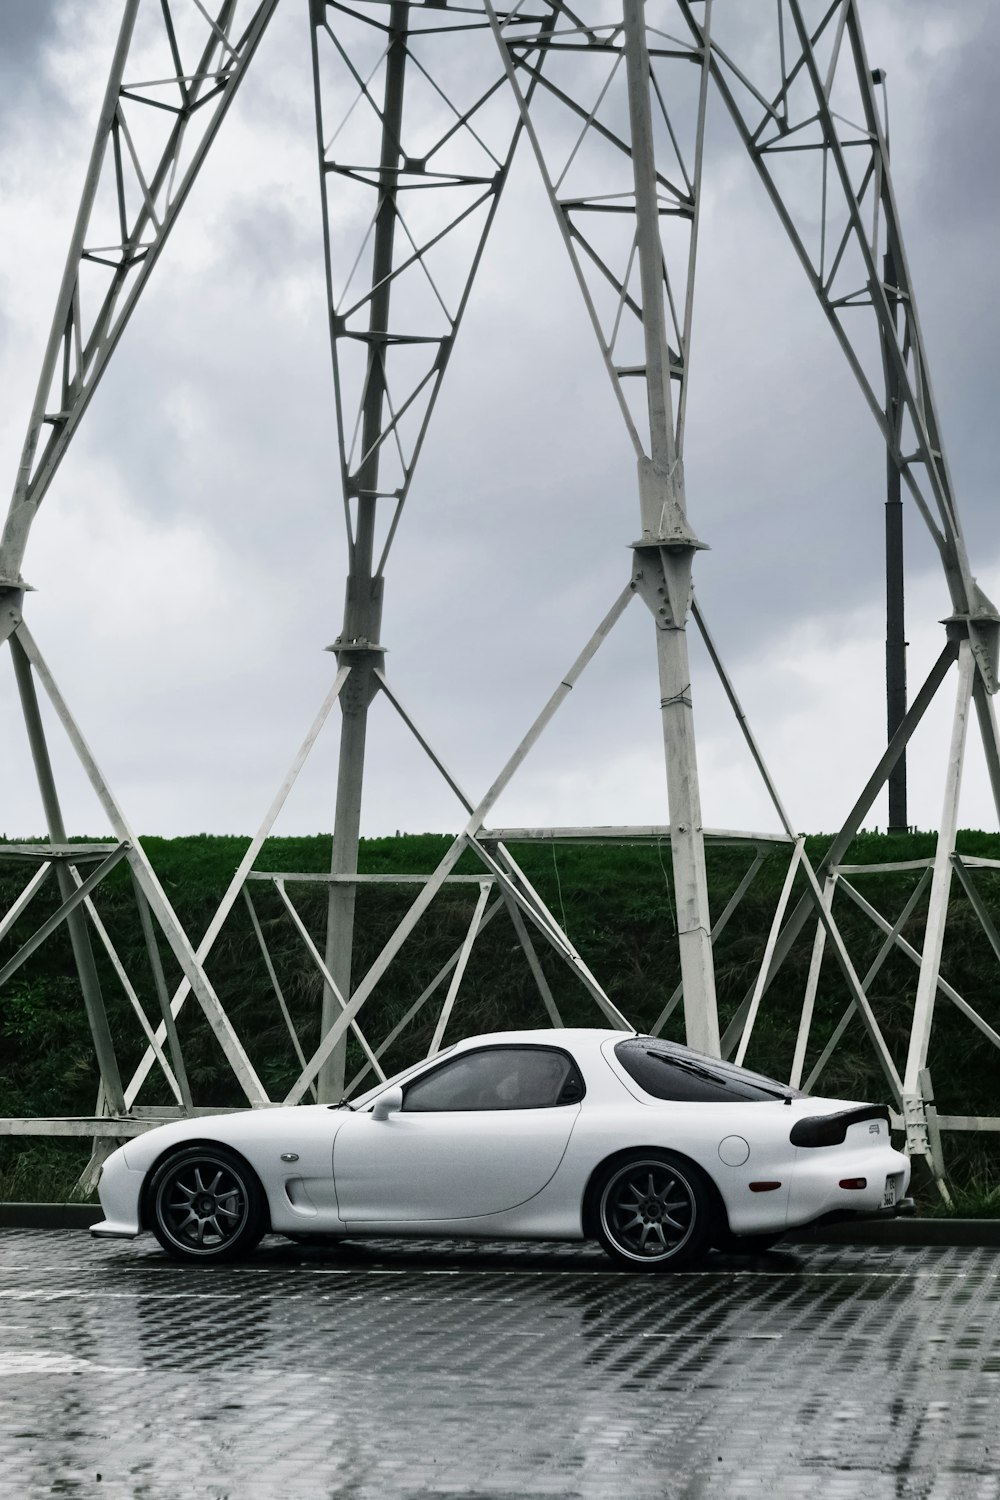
[(913, 1231), (875, 1232), (49, 1215)]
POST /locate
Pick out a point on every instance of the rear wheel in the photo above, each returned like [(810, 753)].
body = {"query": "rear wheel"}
[(206, 1204), (654, 1211)]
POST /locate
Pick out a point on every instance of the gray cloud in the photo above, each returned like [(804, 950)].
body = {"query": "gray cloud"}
[(204, 484), (28, 87)]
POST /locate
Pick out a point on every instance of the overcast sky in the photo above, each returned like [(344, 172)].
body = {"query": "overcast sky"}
[(189, 558)]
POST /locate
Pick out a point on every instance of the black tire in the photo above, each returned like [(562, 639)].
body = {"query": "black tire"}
[(205, 1204), (745, 1244), (654, 1211)]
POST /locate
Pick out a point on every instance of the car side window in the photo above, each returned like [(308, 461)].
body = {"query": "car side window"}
[(497, 1078)]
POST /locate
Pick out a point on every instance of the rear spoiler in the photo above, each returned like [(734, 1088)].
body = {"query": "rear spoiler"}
[(831, 1130)]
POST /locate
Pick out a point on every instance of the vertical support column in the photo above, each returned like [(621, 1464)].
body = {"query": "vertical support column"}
[(895, 622), (162, 994), (917, 1139), (76, 924), (812, 987), (358, 645), (663, 566)]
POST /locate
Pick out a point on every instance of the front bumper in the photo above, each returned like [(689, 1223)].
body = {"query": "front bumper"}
[(107, 1229), (119, 1190)]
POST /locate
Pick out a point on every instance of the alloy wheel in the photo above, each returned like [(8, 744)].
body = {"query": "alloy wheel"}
[(648, 1211), (206, 1205)]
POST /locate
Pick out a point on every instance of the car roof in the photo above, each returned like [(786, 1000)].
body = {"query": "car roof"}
[(577, 1039)]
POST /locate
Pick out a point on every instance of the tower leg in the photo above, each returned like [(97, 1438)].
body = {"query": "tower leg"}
[(701, 1021), (363, 607), (895, 605), (918, 1140), (76, 922), (664, 560), (344, 861)]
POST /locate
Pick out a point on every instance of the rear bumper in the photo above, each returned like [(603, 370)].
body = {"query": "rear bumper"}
[(902, 1209), (818, 1192)]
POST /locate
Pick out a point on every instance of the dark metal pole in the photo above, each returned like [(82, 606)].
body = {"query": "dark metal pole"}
[(895, 624)]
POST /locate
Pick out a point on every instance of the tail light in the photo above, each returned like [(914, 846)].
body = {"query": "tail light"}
[(854, 1182)]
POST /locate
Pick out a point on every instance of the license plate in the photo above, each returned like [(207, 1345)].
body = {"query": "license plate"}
[(889, 1196)]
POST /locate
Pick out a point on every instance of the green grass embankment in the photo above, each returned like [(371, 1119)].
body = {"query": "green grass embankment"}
[(617, 906)]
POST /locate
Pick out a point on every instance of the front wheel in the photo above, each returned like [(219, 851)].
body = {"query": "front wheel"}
[(654, 1212), (206, 1204)]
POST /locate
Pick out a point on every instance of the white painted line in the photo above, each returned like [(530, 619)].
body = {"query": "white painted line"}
[(31, 1362)]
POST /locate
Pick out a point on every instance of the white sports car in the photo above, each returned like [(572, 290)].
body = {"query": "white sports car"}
[(656, 1151)]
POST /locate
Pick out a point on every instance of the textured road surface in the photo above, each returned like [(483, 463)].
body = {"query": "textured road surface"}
[(517, 1372)]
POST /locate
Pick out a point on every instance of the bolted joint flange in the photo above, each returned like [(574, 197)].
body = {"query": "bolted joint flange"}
[(915, 1124), (982, 631), (661, 576), (661, 505), (363, 657), (12, 592)]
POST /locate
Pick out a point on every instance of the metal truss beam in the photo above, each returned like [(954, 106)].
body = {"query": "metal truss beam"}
[(826, 107), (152, 138), (412, 144)]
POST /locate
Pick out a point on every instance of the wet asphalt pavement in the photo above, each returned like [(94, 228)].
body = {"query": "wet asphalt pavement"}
[(395, 1370)]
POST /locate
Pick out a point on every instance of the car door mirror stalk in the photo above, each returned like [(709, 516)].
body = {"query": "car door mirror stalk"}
[(389, 1103)]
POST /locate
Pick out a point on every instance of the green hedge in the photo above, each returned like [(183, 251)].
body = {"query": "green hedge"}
[(616, 904)]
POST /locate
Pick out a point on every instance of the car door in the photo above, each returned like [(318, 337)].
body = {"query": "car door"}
[(477, 1134)]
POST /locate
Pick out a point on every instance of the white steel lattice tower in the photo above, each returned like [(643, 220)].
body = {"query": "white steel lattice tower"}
[(420, 108)]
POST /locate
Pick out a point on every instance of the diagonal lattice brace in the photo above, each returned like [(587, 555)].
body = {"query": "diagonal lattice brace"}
[(23, 901), (824, 117), (62, 912), (586, 160), (414, 155)]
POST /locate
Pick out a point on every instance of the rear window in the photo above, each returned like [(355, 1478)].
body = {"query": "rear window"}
[(668, 1071)]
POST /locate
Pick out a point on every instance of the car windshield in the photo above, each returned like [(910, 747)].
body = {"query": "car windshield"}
[(668, 1071)]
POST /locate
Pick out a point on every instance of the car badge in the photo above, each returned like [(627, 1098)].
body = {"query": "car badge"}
[(873, 1130), (289, 1156)]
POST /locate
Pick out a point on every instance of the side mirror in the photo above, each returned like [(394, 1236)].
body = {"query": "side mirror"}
[(389, 1103)]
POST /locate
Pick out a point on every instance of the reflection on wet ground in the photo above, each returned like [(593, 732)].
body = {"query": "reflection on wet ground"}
[(496, 1371)]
